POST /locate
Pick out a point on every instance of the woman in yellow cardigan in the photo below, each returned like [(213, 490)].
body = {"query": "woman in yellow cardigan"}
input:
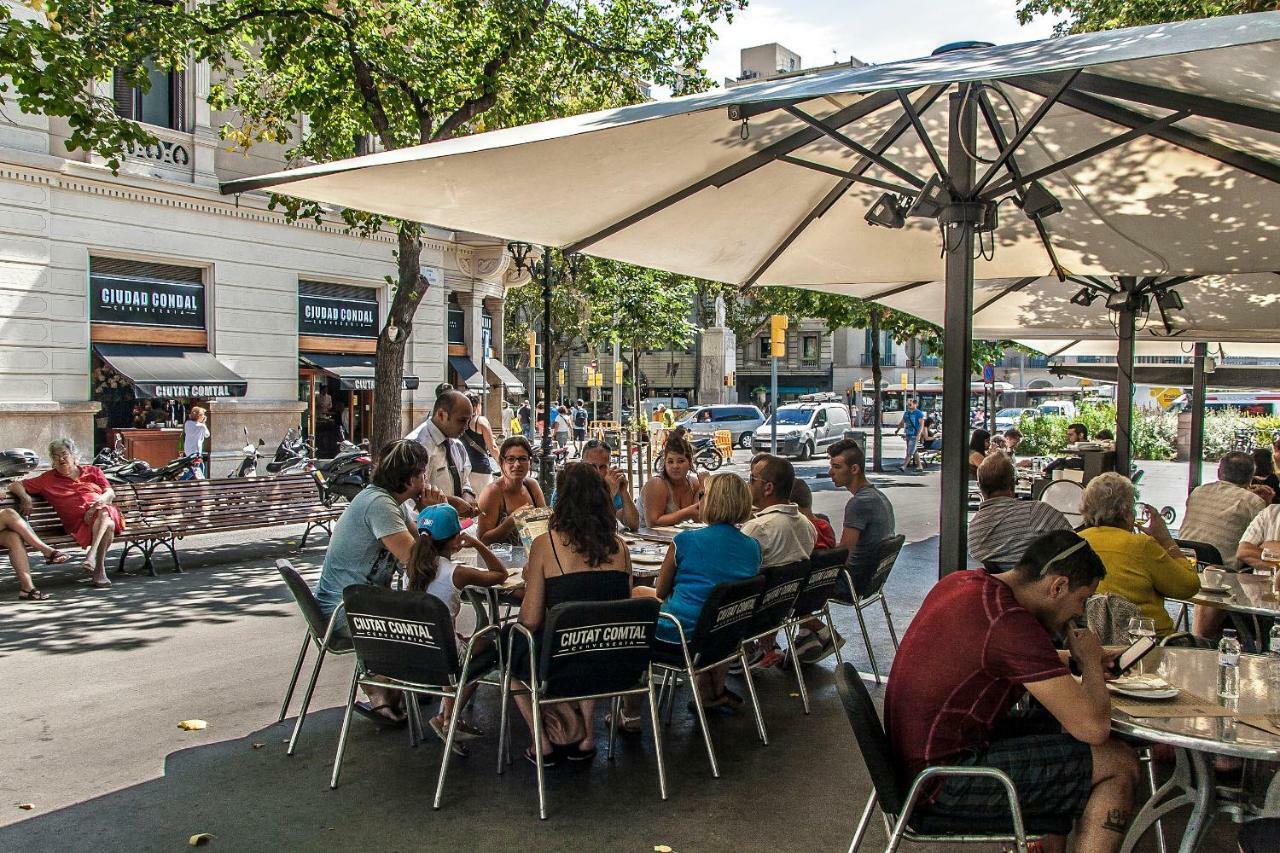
[(1143, 563)]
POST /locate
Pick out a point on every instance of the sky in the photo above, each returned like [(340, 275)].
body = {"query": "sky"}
[(872, 30)]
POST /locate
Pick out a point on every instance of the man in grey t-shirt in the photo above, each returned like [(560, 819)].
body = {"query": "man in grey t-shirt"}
[(868, 519)]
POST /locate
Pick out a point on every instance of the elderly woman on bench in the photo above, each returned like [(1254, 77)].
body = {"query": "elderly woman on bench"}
[(84, 501)]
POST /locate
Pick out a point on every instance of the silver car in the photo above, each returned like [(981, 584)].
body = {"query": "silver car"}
[(741, 420), (804, 429)]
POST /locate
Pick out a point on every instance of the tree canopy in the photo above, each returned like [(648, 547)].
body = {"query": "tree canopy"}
[(1082, 16)]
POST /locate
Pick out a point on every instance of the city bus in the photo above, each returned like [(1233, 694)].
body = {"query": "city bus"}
[(929, 397)]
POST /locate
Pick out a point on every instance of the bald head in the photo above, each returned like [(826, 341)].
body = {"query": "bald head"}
[(996, 476), (451, 414)]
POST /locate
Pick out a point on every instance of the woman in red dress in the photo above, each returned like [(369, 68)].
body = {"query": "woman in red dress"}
[(83, 499)]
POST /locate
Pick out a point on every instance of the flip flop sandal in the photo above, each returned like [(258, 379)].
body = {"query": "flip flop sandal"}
[(573, 752), (373, 714), (32, 594), (627, 725), (103, 584), (548, 760), (57, 558)]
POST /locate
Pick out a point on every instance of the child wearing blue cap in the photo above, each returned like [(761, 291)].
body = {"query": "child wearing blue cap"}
[(431, 570)]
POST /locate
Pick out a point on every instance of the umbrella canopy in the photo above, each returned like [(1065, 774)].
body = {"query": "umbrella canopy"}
[(1161, 144), (1150, 348), (1215, 308)]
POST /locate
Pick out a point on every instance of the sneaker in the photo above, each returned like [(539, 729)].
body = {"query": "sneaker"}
[(753, 660), (771, 658), (828, 642), (807, 643)]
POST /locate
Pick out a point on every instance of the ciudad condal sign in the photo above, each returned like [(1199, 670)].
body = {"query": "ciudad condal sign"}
[(147, 302)]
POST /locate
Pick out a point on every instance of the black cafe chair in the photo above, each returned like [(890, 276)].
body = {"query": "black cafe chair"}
[(319, 633), (587, 650), (782, 585), (862, 586), (825, 571), (406, 641), (899, 796), (723, 624)]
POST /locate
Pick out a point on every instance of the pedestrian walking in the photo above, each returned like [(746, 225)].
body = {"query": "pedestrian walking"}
[(909, 426)]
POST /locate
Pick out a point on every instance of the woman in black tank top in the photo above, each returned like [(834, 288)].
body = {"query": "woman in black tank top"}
[(510, 492), (579, 559)]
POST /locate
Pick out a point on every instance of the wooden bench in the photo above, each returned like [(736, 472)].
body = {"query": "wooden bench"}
[(158, 514), (138, 530)]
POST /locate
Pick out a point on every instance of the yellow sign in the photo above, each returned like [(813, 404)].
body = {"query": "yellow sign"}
[(857, 386), (560, 376), (617, 373), (597, 379), (904, 382), (1166, 396)]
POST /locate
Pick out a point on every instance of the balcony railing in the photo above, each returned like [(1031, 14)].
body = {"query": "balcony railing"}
[(887, 359)]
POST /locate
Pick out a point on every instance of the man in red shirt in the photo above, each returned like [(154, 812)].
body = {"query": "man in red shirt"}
[(977, 645)]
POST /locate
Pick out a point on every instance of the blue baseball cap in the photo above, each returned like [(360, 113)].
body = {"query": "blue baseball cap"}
[(440, 521)]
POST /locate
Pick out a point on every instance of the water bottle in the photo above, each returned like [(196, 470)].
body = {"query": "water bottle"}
[(1273, 669), (1229, 665)]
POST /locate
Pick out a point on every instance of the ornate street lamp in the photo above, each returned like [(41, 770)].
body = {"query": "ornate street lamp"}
[(542, 267)]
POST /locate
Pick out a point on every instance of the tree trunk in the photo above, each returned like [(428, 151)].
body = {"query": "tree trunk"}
[(388, 375), (877, 409)]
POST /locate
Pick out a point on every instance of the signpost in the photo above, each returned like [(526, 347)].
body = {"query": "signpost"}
[(777, 350)]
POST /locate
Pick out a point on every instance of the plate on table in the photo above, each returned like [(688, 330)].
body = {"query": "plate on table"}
[(645, 558), (1143, 687), (690, 525), (1215, 590)]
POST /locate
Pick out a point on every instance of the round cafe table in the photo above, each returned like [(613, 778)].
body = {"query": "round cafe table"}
[(1249, 594), (1197, 739)]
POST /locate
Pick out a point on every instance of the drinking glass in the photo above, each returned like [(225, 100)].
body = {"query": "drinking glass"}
[(1140, 627)]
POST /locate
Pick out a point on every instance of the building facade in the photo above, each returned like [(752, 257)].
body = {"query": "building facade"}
[(127, 298)]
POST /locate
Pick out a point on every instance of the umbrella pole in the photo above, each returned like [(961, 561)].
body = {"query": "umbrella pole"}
[(1126, 322), (957, 341), (1198, 383)]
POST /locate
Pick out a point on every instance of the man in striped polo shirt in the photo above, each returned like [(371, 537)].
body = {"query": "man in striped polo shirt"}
[(1004, 526)]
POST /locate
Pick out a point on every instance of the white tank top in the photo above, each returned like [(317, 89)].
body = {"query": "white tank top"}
[(444, 588)]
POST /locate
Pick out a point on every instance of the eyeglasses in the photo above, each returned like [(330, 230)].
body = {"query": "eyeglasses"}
[(517, 459), (1044, 570)]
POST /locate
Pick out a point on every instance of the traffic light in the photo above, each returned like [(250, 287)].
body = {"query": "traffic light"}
[(531, 339), (560, 376), (617, 373), (778, 336)]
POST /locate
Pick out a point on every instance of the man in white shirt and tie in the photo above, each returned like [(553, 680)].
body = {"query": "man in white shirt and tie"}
[(449, 469)]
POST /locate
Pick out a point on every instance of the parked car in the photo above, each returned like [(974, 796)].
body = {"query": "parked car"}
[(1066, 408), (1008, 418), (803, 429), (741, 420)]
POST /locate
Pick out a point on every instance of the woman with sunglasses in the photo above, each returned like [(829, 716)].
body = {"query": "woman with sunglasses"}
[(513, 490)]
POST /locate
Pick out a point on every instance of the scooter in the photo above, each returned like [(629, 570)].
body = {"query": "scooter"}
[(112, 457), (345, 474), (15, 462), (705, 455), (291, 455), (248, 466)]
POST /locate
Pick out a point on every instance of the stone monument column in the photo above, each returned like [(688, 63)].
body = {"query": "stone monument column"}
[(719, 362)]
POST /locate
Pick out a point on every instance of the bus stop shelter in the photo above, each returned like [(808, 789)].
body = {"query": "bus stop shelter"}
[(1146, 154)]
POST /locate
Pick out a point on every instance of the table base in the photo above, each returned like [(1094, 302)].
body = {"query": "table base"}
[(1192, 783)]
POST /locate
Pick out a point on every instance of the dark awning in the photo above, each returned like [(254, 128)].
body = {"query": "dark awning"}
[(504, 376), (172, 372), (1246, 376), (468, 373), (353, 372)]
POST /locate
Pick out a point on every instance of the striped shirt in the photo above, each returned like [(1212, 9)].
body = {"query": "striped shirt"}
[(1218, 514), (1003, 527)]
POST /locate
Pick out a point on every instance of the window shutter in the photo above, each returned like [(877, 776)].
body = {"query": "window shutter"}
[(123, 94), (178, 98)]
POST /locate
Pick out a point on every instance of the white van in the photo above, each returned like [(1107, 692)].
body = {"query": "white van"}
[(803, 429), (1066, 408)]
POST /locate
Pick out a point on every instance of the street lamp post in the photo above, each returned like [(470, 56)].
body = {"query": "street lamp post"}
[(542, 267)]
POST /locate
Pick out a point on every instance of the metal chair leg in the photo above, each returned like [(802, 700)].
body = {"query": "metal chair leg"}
[(504, 729), (614, 711), (866, 639), (755, 702), (448, 740), (346, 726), (863, 823), (831, 626), (893, 635), (657, 740), (297, 671), (537, 749), (306, 702), (414, 712), (702, 721), (795, 663)]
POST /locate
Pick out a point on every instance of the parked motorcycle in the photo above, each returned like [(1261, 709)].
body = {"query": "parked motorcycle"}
[(112, 457), (248, 466), (292, 455), (705, 455), (15, 462), (345, 474)]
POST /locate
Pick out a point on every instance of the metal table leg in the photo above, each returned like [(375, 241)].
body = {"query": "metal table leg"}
[(1192, 784)]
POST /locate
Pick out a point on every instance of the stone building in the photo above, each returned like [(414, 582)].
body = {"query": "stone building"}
[(148, 289)]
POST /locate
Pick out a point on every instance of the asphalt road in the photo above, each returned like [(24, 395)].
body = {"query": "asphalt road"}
[(96, 682)]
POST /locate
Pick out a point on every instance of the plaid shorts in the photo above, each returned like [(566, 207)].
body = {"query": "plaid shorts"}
[(1053, 775)]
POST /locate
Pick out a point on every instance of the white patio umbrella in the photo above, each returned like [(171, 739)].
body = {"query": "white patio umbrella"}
[(1160, 145)]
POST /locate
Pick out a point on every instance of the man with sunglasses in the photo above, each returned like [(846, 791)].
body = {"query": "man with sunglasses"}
[(979, 643), (598, 455)]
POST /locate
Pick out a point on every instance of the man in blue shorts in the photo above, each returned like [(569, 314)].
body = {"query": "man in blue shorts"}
[(912, 418)]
